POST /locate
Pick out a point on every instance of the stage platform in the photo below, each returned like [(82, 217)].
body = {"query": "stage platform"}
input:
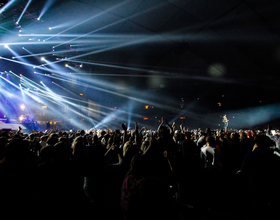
[(11, 126)]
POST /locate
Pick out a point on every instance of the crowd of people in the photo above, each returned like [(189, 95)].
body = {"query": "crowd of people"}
[(167, 173)]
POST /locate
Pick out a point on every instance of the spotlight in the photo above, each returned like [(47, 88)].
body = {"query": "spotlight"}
[(50, 28), (22, 107), (66, 65), (41, 82), (20, 118), (6, 46), (43, 59), (38, 19)]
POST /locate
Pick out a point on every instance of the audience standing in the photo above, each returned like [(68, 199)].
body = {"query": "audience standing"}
[(136, 174)]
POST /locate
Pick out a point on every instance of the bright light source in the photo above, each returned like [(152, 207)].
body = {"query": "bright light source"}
[(6, 46), (50, 28), (20, 118), (41, 82), (43, 58), (66, 65), (22, 107), (38, 19)]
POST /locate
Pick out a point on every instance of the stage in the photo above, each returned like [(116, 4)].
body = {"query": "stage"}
[(11, 126)]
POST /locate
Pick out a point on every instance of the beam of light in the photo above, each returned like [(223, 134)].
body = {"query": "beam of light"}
[(117, 46), (4, 91), (54, 67), (37, 99), (65, 98), (166, 74), (134, 98), (131, 105), (47, 6), (88, 19), (28, 51), (42, 54), (35, 43), (31, 65), (22, 13), (16, 55), (116, 114), (113, 66), (9, 96), (11, 83), (61, 51), (63, 25), (31, 83), (9, 4), (115, 23), (67, 90), (16, 61), (63, 102), (85, 102), (99, 38), (47, 94), (56, 111), (26, 103), (254, 116)]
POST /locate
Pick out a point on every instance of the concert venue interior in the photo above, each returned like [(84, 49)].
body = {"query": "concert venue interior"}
[(84, 63)]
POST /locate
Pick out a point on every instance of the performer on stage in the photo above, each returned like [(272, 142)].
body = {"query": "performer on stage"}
[(225, 121)]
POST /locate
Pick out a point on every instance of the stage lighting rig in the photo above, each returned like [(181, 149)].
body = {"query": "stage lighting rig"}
[(17, 25)]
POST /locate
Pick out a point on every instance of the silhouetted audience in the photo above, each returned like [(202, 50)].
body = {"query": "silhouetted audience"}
[(140, 174)]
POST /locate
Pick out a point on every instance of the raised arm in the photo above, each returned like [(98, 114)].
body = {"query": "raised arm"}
[(124, 133), (161, 124)]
